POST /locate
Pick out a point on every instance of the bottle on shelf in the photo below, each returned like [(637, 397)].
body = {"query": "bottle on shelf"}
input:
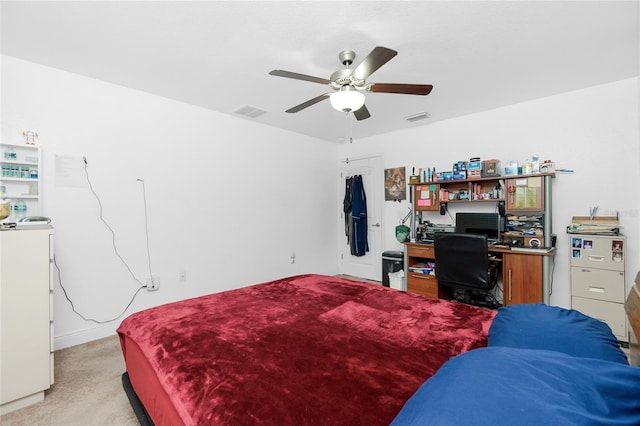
[(5, 204), (19, 209)]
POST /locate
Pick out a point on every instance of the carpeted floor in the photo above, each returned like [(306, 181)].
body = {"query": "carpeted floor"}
[(87, 390)]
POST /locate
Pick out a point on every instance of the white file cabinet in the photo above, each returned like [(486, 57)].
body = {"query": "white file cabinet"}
[(598, 279), (26, 317)]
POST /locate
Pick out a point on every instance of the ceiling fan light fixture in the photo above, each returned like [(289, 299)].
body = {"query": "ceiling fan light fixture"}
[(347, 99)]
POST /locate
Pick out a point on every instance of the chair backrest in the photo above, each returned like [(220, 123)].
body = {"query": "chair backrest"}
[(462, 260)]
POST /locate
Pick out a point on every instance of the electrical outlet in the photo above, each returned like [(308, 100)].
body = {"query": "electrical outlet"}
[(182, 276), (153, 283)]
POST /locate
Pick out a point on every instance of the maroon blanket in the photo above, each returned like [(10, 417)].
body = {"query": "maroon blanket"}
[(305, 350)]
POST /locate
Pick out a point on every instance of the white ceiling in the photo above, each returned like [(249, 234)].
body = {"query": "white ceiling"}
[(478, 55)]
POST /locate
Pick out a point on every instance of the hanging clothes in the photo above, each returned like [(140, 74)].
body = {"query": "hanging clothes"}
[(346, 207), (359, 243)]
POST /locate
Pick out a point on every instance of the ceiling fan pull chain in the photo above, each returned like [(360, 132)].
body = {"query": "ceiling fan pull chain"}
[(349, 127)]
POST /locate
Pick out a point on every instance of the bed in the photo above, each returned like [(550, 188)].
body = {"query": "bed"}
[(303, 350), (320, 350)]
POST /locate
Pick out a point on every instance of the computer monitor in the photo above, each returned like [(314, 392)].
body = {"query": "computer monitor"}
[(479, 223)]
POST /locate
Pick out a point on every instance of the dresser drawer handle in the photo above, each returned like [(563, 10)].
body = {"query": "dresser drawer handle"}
[(596, 289), (422, 277), (421, 248), (596, 258)]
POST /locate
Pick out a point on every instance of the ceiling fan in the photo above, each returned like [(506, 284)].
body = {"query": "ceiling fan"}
[(348, 83)]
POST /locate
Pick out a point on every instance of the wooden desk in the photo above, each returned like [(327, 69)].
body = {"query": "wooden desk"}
[(522, 274)]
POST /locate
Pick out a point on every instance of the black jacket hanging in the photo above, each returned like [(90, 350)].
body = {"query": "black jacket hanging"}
[(346, 207), (359, 243)]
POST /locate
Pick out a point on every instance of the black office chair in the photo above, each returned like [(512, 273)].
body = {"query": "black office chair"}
[(462, 264)]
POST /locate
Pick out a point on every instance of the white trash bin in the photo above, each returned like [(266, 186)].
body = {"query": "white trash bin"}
[(395, 279)]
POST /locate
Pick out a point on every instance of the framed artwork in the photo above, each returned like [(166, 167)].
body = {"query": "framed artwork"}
[(395, 184)]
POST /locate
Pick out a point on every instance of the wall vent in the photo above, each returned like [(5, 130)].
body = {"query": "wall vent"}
[(418, 116), (249, 111)]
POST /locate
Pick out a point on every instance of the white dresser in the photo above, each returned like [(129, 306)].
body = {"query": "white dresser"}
[(26, 317), (598, 279)]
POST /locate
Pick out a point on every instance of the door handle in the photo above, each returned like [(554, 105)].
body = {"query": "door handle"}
[(377, 225)]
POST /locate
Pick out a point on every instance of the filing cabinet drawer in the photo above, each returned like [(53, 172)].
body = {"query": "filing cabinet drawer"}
[(593, 251), (609, 312), (421, 250), (422, 284), (598, 284)]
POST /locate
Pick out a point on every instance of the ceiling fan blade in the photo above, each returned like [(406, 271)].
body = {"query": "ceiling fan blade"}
[(406, 89), (308, 103), (377, 58), (296, 76), (362, 113)]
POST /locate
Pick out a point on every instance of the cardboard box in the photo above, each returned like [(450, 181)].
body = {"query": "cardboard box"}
[(547, 167), (491, 168), (474, 165), (474, 174), (460, 175), (511, 168)]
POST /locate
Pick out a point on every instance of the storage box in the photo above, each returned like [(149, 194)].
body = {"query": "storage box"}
[(491, 168), (474, 174), (511, 168), (447, 175), (459, 175), (547, 167), (474, 165)]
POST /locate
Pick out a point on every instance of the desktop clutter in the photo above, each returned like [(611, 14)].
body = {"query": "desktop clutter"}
[(522, 228)]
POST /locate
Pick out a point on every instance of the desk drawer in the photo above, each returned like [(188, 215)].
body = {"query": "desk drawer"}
[(598, 284), (421, 250), (609, 312), (424, 285)]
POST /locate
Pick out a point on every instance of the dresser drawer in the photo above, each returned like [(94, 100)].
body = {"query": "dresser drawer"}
[(598, 284), (421, 250), (609, 312), (422, 284), (592, 251)]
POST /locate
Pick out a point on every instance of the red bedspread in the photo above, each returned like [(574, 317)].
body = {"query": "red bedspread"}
[(303, 350)]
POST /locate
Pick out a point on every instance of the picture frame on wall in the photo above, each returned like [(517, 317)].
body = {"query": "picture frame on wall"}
[(395, 184)]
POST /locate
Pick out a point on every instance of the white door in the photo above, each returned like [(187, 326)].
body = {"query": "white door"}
[(368, 266)]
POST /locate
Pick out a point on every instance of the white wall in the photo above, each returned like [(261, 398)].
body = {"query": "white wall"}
[(228, 200), (594, 131)]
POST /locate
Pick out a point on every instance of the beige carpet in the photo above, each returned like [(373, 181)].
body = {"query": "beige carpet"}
[(87, 390)]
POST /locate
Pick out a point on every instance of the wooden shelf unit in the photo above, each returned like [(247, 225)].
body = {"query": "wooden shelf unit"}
[(526, 276)]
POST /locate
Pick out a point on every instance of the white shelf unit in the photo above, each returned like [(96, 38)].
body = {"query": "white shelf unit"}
[(22, 176)]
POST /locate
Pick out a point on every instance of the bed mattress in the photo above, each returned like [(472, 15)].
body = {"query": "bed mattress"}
[(303, 350)]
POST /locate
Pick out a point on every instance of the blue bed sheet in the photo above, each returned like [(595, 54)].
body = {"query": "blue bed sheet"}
[(512, 386)]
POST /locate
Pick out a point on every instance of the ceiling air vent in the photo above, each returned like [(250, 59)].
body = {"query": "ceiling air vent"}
[(418, 116), (249, 111)]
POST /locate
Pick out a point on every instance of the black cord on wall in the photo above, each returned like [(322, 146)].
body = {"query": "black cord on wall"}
[(113, 241)]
